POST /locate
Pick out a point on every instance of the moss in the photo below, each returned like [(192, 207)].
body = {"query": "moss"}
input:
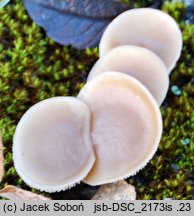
[(33, 67), (170, 172)]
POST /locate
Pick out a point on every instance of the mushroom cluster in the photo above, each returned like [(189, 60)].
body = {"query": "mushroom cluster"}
[(113, 127)]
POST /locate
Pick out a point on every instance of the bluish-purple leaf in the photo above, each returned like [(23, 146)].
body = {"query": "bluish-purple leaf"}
[(79, 23)]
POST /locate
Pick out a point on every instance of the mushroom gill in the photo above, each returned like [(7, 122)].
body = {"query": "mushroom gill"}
[(138, 62), (126, 126), (52, 149), (146, 27)]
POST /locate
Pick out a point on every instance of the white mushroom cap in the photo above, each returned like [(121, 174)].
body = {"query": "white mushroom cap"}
[(138, 62), (126, 126), (146, 27), (52, 149)]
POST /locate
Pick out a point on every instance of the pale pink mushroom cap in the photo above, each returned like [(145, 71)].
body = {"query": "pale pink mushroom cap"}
[(52, 149), (146, 27), (126, 126), (138, 62)]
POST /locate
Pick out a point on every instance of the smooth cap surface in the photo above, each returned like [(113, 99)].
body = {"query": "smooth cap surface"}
[(52, 150), (126, 126), (138, 62), (146, 27)]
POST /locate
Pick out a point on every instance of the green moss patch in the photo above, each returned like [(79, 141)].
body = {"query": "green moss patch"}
[(33, 68)]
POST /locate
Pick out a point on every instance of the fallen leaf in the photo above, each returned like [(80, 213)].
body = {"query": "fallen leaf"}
[(120, 190), (72, 22), (1, 158), (14, 193)]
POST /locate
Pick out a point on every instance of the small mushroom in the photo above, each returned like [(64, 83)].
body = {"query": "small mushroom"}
[(138, 62), (52, 149), (126, 126), (146, 27)]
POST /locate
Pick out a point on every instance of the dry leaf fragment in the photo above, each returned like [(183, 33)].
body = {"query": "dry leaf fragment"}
[(1, 158), (15, 193), (120, 190)]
